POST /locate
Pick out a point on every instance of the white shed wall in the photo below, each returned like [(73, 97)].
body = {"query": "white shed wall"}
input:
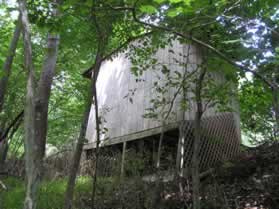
[(125, 119)]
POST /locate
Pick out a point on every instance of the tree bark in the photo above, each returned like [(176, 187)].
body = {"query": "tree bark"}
[(8, 133), (4, 146), (158, 161), (69, 194), (31, 179), (14, 123), (95, 76), (36, 109), (7, 67), (275, 95), (68, 200), (180, 149), (197, 140)]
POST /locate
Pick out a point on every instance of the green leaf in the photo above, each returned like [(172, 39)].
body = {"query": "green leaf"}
[(165, 70), (159, 1), (175, 1), (178, 74), (232, 41), (148, 9), (1, 74), (175, 12)]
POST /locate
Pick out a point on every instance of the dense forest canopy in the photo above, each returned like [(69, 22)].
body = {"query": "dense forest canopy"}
[(245, 36), (49, 47)]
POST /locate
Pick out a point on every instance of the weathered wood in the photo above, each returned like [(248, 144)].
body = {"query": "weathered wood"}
[(123, 101), (131, 137)]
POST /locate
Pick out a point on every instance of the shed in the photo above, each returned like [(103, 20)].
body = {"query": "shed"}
[(124, 99)]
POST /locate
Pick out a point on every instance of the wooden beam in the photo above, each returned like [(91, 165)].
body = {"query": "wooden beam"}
[(131, 137)]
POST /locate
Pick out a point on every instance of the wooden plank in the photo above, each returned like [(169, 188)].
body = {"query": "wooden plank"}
[(131, 137)]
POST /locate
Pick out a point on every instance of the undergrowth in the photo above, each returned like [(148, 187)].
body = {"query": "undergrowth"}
[(51, 194)]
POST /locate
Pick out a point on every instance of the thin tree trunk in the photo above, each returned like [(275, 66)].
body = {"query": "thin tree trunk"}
[(4, 146), (31, 179), (158, 162), (181, 87), (69, 194), (68, 200), (102, 40), (122, 170), (195, 162), (275, 95), (13, 124), (180, 149), (8, 134), (7, 67), (36, 109), (197, 141), (98, 62)]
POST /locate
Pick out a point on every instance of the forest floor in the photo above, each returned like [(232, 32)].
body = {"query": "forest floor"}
[(250, 182)]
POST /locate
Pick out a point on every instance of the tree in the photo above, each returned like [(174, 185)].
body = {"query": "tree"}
[(106, 47), (6, 71), (36, 107), (244, 35)]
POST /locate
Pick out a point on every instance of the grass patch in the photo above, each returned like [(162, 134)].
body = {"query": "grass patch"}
[(51, 194)]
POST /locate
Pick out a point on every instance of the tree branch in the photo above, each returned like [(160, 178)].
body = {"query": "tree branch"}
[(13, 123), (198, 42), (87, 73)]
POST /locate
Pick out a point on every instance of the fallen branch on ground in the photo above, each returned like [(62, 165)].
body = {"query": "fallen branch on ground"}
[(3, 185)]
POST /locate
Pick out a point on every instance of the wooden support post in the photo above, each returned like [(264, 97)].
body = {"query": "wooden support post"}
[(154, 152), (141, 147), (123, 160)]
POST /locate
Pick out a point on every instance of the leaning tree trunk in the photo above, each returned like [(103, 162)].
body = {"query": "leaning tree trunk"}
[(29, 124), (8, 135), (97, 122), (68, 201), (197, 140), (36, 109), (3, 154), (69, 194), (7, 67), (159, 151)]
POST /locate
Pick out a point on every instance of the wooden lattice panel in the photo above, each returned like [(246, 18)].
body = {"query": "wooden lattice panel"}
[(220, 141)]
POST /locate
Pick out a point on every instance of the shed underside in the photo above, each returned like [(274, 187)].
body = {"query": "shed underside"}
[(220, 141)]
